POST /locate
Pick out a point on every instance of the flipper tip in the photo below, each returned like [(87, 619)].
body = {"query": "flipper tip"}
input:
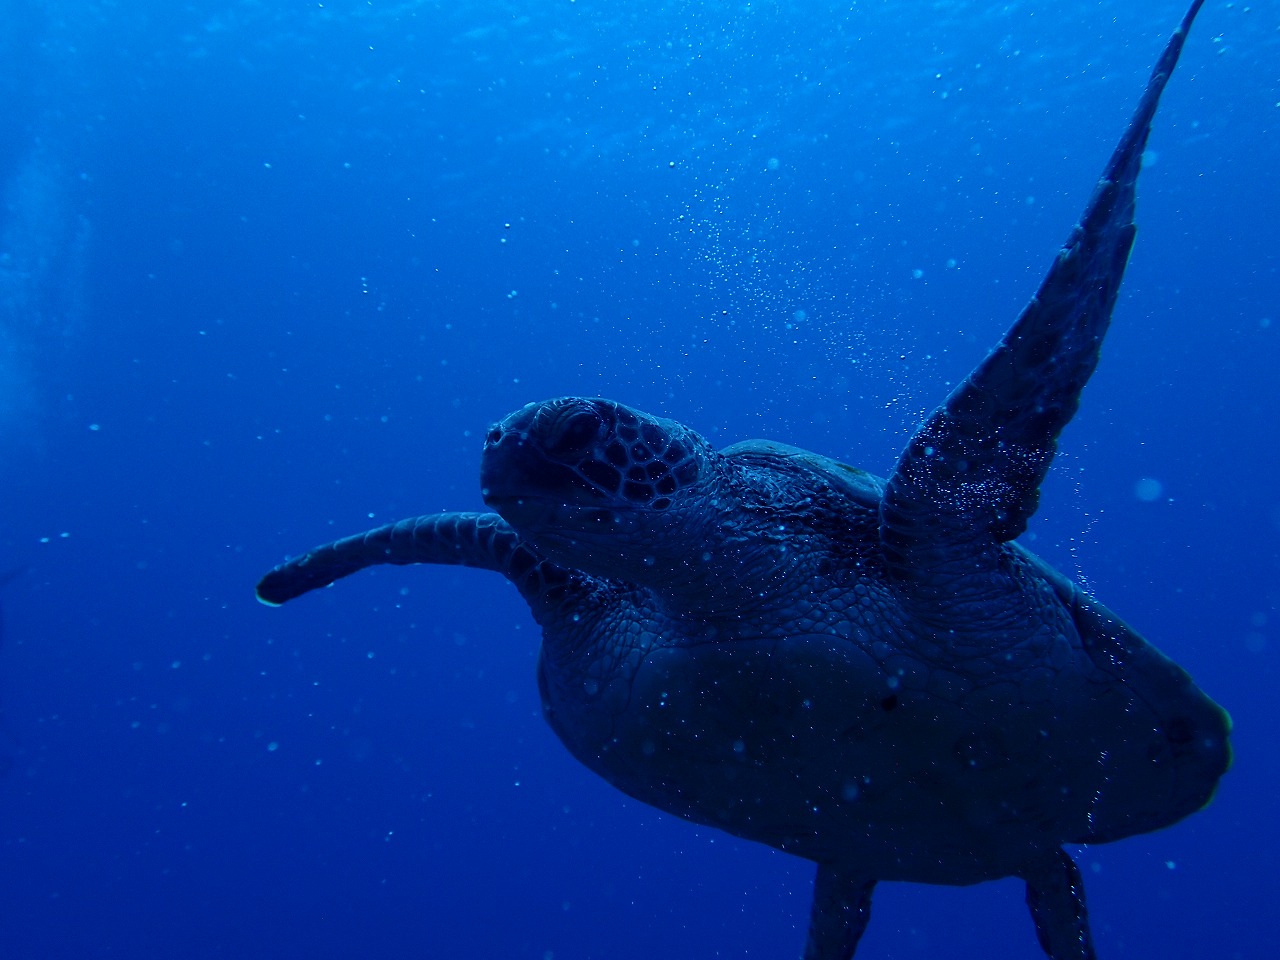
[(268, 590)]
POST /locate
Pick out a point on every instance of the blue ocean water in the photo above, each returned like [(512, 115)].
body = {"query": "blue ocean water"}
[(269, 269)]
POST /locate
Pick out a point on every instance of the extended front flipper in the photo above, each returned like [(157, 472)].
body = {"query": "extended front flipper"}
[(1055, 895), (839, 915), (469, 539), (970, 477)]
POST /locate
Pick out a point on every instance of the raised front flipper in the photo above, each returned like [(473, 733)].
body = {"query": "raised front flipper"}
[(970, 477), (1055, 895), (839, 915), (469, 539)]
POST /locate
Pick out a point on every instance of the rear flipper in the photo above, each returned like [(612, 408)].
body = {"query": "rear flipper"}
[(1055, 895), (840, 911)]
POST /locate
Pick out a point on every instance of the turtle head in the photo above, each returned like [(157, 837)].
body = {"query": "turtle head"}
[(598, 486)]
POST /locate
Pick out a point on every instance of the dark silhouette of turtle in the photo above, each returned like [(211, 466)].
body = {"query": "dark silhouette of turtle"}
[(5, 579), (867, 673)]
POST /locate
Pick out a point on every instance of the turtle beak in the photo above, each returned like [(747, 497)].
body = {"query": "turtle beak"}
[(518, 480), (505, 463)]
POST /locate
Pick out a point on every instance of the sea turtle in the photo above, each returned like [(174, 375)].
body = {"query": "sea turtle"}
[(866, 673)]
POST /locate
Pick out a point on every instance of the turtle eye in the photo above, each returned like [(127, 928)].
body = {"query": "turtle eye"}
[(573, 433)]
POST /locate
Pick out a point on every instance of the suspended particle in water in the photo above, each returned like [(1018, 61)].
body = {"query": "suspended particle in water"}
[(1148, 490)]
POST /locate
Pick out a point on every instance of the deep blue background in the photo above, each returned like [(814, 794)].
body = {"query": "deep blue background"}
[(268, 270)]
